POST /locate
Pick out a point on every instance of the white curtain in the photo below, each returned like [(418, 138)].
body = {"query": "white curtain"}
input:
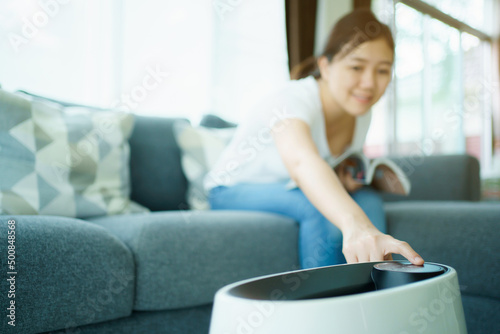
[(164, 58)]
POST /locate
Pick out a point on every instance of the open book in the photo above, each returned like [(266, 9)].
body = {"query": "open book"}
[(381, 173)]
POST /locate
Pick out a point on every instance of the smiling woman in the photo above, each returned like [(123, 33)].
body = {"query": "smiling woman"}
[(325, 112), (359, 78)]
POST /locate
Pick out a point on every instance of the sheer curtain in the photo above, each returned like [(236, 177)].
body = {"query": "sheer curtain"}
[(61, 49), (250, 54), (154, 57)]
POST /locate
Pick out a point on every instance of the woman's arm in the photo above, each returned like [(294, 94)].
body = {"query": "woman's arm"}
[(361, 240)]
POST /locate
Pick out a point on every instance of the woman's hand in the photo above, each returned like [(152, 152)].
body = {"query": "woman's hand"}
[(361, 240), (369, 244), (345, 177)]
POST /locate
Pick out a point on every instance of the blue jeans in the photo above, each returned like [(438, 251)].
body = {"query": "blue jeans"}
[(320, 242)]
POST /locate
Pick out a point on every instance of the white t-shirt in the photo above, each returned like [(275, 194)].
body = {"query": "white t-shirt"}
[(252, 156)]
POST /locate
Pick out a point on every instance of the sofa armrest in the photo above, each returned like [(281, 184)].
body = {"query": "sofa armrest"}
[(440, 178), (463, 235), (68, 273)]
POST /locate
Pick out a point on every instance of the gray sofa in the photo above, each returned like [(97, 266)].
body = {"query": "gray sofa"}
[(158, 272)]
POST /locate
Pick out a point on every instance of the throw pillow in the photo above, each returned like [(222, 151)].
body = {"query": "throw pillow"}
[(63, 161), (200, 149)]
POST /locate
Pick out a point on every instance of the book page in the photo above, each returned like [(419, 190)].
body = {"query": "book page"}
[(350, 155), (385, 179), (355, 166)]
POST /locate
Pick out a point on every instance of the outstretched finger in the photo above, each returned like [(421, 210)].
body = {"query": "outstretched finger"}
[(403, 248)]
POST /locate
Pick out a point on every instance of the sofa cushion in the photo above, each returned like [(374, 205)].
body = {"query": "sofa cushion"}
[(183, 258), (69, 273), (158, 181), (451, 178), (183, 321), (200, 147), (463, 235), (481, 314), (63, 161)]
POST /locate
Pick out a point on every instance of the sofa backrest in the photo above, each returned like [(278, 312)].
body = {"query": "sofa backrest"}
[(158, 181), (440, 178)]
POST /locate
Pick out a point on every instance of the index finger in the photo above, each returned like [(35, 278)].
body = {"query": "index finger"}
[(403, 248)]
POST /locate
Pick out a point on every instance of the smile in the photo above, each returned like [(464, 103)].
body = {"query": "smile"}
[(362, 99)]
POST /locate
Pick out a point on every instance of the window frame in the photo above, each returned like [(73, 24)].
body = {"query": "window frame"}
[(431, 12)]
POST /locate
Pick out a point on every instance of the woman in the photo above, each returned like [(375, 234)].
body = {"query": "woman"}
[(279, 158)]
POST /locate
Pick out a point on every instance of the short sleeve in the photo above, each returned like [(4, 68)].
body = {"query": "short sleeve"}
[(297, 100)]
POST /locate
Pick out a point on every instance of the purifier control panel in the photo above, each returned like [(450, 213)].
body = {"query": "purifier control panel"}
[(391, 274)]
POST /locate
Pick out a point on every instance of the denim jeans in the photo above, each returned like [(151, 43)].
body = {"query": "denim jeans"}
[(320, 242)]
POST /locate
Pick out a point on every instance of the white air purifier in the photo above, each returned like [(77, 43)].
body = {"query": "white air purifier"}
[(375, 297)]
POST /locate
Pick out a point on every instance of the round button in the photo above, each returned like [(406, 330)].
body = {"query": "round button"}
[(409, 268), (391, 274)]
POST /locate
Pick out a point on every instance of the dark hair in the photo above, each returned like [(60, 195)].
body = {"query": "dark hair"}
[(349, 32)]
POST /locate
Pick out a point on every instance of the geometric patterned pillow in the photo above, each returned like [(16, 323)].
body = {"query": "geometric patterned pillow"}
[(70, 162), (200, 149)]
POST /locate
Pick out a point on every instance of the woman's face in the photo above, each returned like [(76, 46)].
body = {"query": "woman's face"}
[(359, 79)]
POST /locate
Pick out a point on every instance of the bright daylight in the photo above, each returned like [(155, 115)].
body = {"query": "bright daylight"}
[(249, 167)]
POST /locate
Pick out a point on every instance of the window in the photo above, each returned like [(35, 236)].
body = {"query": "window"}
[(440, 101), (155, 57), (62, 49)]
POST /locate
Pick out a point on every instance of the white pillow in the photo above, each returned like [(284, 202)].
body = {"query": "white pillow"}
[(200, 149)]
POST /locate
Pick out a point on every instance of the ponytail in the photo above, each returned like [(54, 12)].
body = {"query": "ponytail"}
[(305, 68)]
